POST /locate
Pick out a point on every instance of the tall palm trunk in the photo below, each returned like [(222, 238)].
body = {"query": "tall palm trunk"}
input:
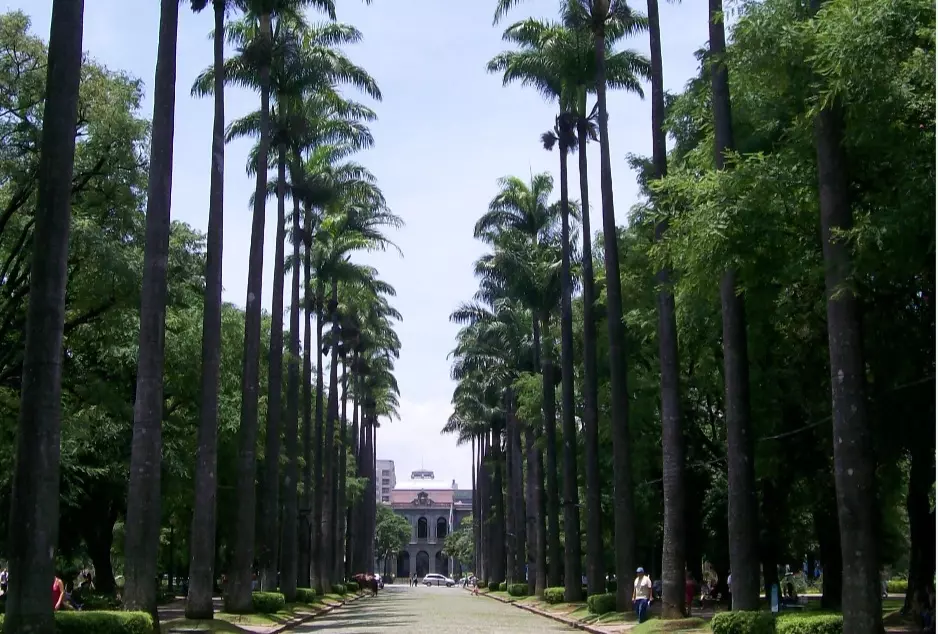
[(270, 499), (743, 530), (317, 581), (624, 511), (498, 507), (854, 460), (511, 545), (142, 525), (550, 436), (238, 594), (351, 533), (475, 509), (361, 513), (204, 508), (288, 548), (328, 474), (595, 574), (370, 500), (530, 506), (34, 507), (306, 532), (516, 492), (340, 505), (536, 463), (573, 588), (672, 437)]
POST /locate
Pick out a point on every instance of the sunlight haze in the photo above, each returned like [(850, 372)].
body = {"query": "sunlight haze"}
[(446, 131)]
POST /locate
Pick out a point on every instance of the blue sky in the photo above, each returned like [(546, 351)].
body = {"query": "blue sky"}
[(446, 131)]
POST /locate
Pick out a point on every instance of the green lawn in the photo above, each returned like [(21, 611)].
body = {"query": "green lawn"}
[(226, 622)]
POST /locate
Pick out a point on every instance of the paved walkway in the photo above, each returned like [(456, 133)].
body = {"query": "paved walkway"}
[(405, 609)]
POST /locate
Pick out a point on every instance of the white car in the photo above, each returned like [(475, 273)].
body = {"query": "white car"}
[(434, 579)]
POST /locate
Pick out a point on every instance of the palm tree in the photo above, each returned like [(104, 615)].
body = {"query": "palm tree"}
[(34, 504), (524, 225), (604, 18), (143, 520), (672, 435), (743, 527), (288, 549), (854, 457), (564, 137), (202, 542), (350, 224)]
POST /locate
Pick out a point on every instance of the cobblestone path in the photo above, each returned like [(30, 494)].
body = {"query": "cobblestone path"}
[(425, 610)]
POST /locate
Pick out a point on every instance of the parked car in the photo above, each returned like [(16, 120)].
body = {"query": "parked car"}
[(434, 579)]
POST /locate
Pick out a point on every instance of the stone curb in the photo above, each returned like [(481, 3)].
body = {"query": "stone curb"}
[(556, 617), (309, 617), (289, 625)]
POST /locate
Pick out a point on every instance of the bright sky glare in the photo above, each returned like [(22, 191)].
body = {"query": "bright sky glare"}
[(446, 131)]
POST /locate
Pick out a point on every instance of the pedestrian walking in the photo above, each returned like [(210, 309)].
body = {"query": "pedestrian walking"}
[(641, 594)]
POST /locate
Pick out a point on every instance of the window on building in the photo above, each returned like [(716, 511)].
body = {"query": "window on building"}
[(422, 531), (386, 498), (386, 481), (441, 528)]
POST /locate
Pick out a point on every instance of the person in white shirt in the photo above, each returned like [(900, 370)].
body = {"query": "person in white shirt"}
[(641, 594)]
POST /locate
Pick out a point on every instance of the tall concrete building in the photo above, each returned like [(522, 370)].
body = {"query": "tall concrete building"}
[(434, 509), (386, 480)]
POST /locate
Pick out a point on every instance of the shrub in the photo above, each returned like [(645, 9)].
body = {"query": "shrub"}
[(352, 587), (493, 586), (897, 586), (811, 624), (305, 595), (553, 595), (93, 602), (743, 623), (268, 602), (601, 603), (503, 586), (518, 589), (100, 623), (339, 588)]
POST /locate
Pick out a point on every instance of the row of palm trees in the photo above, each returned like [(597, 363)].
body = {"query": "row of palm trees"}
[(309, 131), (527, 281)]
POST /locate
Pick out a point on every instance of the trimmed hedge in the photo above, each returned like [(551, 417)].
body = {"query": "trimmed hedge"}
[(518, 589), (553, 595), (339, 588), (352, 587), (268, 602), (306, 595), (601, 603), (100, 623), (96, 602), (743, 623), (897, 586), (493, 586), (811, 624), (503, 586)]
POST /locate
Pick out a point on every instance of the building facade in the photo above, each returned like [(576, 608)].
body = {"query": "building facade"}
[(434, 509), (386, 480)]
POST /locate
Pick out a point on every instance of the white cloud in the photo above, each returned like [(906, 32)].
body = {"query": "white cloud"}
[(415, 441)]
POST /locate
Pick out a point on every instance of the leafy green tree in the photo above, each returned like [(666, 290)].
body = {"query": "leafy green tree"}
[(392, 533), (459, 543)]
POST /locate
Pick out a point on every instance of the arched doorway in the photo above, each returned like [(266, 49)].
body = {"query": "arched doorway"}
[(441, 563), (422, 532), (423, 563), (403, 564), (441, 528)]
